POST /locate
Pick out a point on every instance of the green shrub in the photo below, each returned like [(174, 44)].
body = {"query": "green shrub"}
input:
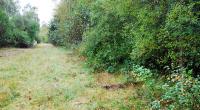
[(106, 44), (173, 92), (181, 92), (17, 29), (67, 29), (4, 29), (157, 34), (178, 41), (22, 39), (43, 34), (53, 34)]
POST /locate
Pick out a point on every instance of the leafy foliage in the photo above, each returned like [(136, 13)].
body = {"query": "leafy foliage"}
[(43, 34), (19, 30), (181, 92), (161, 35), (4, 28), (107, 45), (69, 23), (53, 34), (120, 35), (178, 39)]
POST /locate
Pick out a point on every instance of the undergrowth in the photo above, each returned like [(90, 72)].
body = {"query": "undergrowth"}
[(172, 92)]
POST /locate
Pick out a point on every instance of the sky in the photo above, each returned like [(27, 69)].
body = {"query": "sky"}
[(45, 8)]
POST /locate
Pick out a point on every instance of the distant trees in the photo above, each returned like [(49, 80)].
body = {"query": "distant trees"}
[(10, 7), (43, 34), (19, 30), (4, 28), (69, 23), (113, 35)]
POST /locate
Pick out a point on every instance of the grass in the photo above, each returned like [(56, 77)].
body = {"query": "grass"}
[(50, 78)]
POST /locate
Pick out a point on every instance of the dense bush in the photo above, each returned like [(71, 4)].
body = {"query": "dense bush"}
[(4, 29), (16, 29), (43, 34), (177, 43), (172, 92), (106, 43), (180, 92), (161, 35), (119, 35), (22, 39), (54, 37), (69, 23)]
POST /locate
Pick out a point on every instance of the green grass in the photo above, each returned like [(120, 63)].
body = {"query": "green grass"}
[(50, 78)]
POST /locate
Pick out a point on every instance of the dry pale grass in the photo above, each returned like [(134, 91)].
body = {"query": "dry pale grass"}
[(50, 78)]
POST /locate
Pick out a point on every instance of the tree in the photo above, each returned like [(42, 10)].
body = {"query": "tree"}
[(113, 34), (17, 29), (44, 33), (4, 29)]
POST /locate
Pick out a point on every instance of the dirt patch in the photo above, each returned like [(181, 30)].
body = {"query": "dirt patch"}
[(105, 78), (113, 86), (80, 101), (44, 45), (6, 52), (122, 86), (110, 82)]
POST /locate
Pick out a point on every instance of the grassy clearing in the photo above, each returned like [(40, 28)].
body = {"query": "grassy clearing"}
[(50, 78)]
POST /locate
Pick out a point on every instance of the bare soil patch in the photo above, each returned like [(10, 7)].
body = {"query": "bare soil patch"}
[(6, 52)]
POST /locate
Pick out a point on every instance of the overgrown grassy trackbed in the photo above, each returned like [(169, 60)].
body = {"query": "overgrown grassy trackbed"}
[(50, 78)]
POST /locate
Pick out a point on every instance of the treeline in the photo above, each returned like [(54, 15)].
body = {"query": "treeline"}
[(129, 36), (18, 29), (162, 35)]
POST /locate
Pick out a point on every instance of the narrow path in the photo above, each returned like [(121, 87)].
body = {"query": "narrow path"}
[(50, 78)]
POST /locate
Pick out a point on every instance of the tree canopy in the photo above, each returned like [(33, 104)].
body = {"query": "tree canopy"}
[(161, 35), (17, 29)]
